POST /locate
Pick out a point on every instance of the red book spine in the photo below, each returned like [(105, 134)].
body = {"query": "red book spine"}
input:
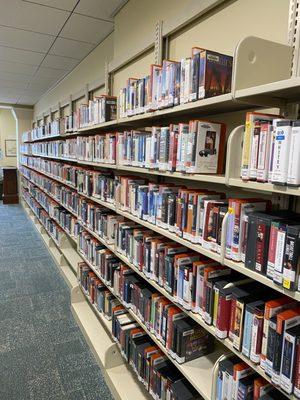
[(258, 324), (174, 154), (272, 250), (232, 318), (171, 149), (169, 331), (223, 316), (256, 392)]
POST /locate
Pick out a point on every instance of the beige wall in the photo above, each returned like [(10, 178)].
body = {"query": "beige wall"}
[(136, 69), (223, 30), (219, 29), (8, 131)]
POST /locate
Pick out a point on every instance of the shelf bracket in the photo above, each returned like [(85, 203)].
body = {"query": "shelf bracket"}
[(76, 295), (86, 92), (256, 63), (294, 36), (59, 109), (113, 357), (233, 153), (106, 79), (158, 43)]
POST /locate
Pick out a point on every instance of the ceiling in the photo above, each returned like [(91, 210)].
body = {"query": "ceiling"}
[(43, 40)]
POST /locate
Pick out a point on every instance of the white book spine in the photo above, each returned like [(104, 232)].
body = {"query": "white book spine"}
[(278, 267), (281, 152), (264, 153), (293, 177)]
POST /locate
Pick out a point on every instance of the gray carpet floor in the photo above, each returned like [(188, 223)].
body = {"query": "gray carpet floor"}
[(43, 355)]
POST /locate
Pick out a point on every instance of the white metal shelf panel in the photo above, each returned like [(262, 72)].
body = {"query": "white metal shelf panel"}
[(280, 91), (264, 187)]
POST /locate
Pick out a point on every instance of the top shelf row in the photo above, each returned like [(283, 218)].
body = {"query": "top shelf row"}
[(256, 79)]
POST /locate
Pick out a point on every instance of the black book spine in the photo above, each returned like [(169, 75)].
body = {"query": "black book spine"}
[(291, 259), (250, 249)]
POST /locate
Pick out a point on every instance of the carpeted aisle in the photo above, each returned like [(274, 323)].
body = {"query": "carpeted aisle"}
[(43, 355)]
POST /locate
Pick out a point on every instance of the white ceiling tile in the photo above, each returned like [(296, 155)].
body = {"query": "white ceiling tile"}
[(42, 85), (31, 16), (99, 8), (11, 100), (71, 48), (21, 39), (82, 28), (67, 5), (10, 76), (20, 56), (11, 92), (6, 83), (45, 72), (59, 62), (12, 67), (28, 100), (42, 81), (33, 92)]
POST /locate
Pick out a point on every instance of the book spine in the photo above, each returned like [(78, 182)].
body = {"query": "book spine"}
[(281, 154), (235, 243), (272, 250), (256, 337), (278, 265), (296, 379), (264, 153), (287, 363), (223, 318), (247, 143), (293, 176), (230, 225), (246, 347), (254, 151), (262, 246), (291, 261)]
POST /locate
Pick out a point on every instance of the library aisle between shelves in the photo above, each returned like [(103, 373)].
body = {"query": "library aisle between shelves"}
[(43, 354)]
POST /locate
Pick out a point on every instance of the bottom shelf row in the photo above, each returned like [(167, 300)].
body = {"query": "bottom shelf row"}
[(216, 374)]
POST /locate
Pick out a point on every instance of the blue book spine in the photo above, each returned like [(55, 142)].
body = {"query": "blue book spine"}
[(219, 388), (180, 283), (145, 203), (247, 333)]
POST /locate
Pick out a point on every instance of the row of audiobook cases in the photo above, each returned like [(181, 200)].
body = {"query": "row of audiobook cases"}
[(162, 375), (186, 288), (266, 241), (256, 319), (178, 334), (270, 148)]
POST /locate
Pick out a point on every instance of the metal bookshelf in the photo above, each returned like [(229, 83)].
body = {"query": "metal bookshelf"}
[(258, 81), (226, 343)]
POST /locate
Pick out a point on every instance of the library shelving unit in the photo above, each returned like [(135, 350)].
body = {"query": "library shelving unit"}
[(63, 253), (258, 81)]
